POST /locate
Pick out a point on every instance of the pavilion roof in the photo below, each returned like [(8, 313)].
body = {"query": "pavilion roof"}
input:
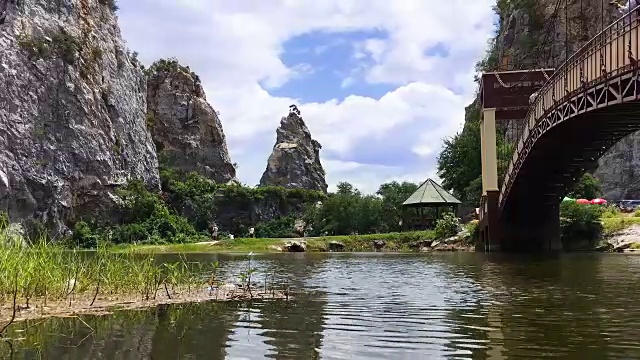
[(430, 193)]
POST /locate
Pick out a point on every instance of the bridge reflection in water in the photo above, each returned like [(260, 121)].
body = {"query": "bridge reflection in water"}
[(587, 105)]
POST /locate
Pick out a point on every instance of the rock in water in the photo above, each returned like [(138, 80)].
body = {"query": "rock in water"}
[(295, 160), (72, 111), (185, 128)]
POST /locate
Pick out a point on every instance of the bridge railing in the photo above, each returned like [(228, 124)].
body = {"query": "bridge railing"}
[(610, 53)]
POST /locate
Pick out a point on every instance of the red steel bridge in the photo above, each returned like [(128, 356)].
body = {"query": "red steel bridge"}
[(566, 119)]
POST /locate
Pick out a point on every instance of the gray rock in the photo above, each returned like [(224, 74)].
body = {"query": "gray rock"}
[(452, 240), (379, 244), (421, 244), (295, 246), (336, 246), (625, 238), (14, 235), (604, 247), (619, 170), (72, 112), (186, 130), (295, 160), (299, 227)]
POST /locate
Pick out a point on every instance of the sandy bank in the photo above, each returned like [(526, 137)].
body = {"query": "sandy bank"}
[(106, 304)]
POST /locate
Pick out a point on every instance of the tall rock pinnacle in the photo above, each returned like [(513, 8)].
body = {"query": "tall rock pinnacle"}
[(185, 128), (295, 160)]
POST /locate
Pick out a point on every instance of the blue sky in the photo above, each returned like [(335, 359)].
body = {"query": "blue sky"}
[(379, 83), (328, 58)]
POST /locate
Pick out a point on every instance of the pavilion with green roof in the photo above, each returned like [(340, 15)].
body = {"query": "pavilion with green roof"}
[(423, 208)]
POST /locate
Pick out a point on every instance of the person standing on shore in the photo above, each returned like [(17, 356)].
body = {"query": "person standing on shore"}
[(214, 232), (252, 232)]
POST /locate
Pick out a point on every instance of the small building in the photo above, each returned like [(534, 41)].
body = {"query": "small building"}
[(423, 208)]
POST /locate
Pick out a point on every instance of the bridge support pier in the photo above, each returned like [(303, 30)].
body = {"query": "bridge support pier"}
[(490, 227), (537, 230)]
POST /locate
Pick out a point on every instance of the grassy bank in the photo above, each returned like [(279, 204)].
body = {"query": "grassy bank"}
[(404, 241), (611, 225), (47, 280)]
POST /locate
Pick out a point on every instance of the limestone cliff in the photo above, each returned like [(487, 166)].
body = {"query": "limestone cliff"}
[(295, 160), (538, 34), (186, 130), (72, 111)]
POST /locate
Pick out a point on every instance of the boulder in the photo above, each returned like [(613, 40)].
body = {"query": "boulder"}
[(336, 246), (420, 244), (295, 246), (299, 227), (379, 244)]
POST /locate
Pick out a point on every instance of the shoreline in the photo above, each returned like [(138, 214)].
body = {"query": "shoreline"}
[(407, 242), (106, 305), (401, 242)]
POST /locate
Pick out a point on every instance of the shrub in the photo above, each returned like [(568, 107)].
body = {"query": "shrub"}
[(83, 236), (63, 45), (164, 66), (277, 228), (113, 6), (448, 225), (610, 212), (579, 221)]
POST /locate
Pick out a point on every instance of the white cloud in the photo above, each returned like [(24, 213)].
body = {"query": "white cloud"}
[(237, 45)]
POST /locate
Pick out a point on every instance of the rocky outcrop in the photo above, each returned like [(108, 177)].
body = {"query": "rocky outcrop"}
[(536, 36), (186, 130), (72, 111), (295, 160), (619, 169), (623, 240)]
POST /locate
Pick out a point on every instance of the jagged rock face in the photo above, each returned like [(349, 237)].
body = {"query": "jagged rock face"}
[(185, 128), (536, 35), (295, 160), (619, 168), (72, 111)]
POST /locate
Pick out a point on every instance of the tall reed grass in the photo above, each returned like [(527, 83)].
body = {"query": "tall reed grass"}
[(47, 275)]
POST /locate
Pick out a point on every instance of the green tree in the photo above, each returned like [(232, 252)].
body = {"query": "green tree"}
[(588, 187), (579, 221), (339, 212), (393, 195), (460, 164)]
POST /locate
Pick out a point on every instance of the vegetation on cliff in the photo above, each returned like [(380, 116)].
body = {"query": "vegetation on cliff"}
[(191, 203)]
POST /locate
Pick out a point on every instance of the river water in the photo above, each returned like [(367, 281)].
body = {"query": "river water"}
[(380, 306)]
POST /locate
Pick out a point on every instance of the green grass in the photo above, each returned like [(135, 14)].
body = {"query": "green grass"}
[(52, 273), (614, 224), (353, 243)]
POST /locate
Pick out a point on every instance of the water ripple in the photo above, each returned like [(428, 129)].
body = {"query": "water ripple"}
[(375, 306)]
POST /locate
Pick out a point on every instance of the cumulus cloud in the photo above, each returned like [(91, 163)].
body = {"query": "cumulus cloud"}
[(237, 48)]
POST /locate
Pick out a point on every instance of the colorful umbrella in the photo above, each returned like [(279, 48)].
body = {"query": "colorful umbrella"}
[(583, 201), (566, 198), (598, 201)]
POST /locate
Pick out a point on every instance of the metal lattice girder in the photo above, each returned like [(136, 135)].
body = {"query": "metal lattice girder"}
[(608, 82)]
